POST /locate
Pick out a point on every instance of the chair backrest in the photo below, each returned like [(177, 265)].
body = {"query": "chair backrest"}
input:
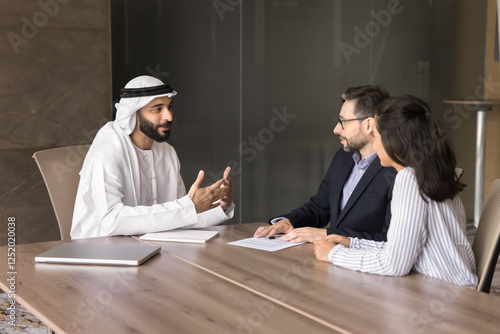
[(60, 168), (486, 245)]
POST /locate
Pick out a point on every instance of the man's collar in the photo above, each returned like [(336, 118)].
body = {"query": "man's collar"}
[(356, 156)]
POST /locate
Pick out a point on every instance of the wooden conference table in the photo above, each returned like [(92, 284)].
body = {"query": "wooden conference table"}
[(219, 288)]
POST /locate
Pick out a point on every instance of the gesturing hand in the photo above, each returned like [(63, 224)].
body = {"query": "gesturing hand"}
[(204, 198), (228, 185)]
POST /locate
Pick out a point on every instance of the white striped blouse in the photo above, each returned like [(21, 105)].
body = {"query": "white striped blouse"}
[(429, 238)]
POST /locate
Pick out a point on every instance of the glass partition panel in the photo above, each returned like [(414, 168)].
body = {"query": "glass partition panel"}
[(259, 81)]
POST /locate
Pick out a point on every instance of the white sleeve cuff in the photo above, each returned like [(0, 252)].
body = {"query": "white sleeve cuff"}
[(354, 243), (333, 251), (229, 212), (275, 220), (214, 216)]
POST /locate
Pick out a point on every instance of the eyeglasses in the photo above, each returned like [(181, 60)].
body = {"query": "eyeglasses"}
[(342, 121)]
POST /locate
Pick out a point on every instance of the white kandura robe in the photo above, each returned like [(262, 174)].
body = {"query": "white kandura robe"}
[(126, 191)]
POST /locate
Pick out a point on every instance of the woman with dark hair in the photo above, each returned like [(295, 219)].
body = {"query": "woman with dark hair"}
[(427, 230)]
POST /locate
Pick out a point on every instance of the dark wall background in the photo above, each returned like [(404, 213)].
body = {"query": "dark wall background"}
[(237, 65), (258, 81)]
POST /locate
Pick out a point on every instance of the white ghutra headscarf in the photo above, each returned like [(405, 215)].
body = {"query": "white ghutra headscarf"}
[(137, 93)]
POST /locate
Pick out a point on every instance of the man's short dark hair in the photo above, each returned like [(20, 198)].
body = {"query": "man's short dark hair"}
[(367, 99)]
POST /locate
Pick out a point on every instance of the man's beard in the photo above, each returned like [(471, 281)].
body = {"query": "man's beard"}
[(151, 130), (355, 143)]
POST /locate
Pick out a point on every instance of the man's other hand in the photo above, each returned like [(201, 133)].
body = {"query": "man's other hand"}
[(227, 199), (282, 226), (304, 234)]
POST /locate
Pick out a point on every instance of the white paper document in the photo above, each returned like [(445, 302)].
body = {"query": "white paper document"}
[(266, 244), (180, 235)]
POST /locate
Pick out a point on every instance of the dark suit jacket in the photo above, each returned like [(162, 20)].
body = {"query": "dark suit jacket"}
[(367, 213)]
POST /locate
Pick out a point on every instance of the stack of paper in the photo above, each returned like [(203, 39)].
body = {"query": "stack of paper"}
[(270, 244)]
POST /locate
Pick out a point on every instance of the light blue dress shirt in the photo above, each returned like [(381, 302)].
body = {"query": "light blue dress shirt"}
[(359, 169)]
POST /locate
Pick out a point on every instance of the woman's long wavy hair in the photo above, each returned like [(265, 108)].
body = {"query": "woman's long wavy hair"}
[(413, 137)]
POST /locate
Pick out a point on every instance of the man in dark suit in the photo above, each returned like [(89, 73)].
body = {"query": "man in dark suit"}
[(355, 195)]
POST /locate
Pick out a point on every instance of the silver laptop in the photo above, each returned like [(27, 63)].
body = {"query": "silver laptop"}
[(99, 254)]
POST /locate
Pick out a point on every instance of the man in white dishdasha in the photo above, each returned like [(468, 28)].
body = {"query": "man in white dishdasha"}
[(130, 182)]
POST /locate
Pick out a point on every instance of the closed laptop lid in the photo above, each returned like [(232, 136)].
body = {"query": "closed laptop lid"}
[(98, 254)]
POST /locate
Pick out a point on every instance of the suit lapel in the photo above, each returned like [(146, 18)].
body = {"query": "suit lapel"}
[(370, 173), (339, 179)]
